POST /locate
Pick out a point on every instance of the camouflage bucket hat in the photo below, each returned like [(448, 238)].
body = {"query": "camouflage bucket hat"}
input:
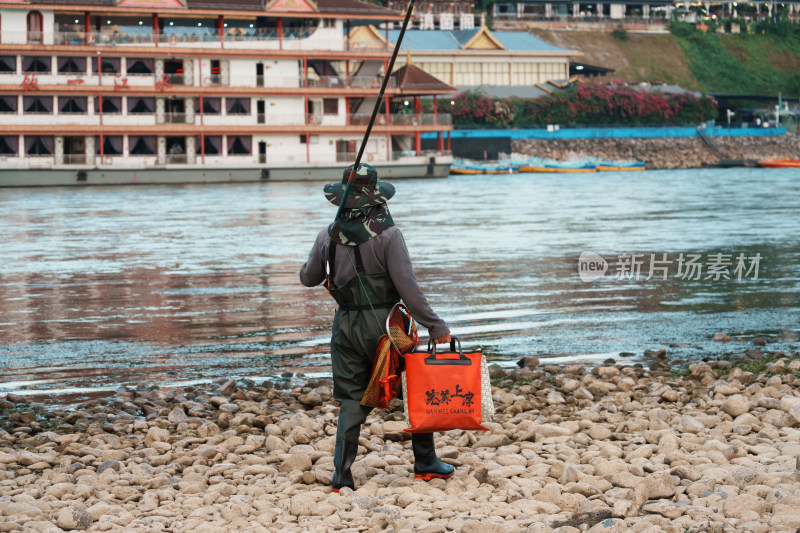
[(367, 188)]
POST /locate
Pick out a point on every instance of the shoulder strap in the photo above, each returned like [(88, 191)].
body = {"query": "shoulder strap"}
[(359, 263), (331, 263)]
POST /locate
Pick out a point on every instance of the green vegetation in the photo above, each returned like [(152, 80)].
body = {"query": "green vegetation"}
[(620, 33), (763, 59), (766, 61)]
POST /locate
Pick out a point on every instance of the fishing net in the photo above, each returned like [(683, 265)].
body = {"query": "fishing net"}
[(401, 338)]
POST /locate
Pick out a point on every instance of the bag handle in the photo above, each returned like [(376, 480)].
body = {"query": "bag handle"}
[(462, 359)]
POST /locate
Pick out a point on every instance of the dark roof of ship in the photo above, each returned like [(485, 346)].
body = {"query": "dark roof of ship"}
[(246, 5), (72, 2), (412, 78)]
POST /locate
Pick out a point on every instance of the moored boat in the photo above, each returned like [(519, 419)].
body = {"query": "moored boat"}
[(468, 166), (607, 165), (780, 163), (559, 166)]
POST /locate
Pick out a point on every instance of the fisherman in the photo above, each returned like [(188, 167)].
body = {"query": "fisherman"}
[(364, 261)]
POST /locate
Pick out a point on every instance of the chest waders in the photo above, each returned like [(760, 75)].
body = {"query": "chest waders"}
[(365, 302)]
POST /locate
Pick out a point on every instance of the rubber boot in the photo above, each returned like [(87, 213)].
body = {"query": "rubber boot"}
[(344, 455), (426, 464)]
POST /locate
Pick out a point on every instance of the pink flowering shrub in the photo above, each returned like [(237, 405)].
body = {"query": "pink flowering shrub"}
[(588, 103), (617, 104)]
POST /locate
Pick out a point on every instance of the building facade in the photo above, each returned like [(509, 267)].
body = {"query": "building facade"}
[(478, 57)]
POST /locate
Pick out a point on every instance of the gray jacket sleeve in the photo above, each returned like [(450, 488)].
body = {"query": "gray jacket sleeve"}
[(398, 263), (313, 271)]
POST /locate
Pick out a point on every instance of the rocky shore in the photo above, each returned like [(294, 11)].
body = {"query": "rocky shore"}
[(681, 152), (705, 446)]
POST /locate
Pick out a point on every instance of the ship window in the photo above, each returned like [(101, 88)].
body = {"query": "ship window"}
[(211, 106), (72, 65), (329, 23), (9, 145), (142, 144), (36, 64), (38, 104), (345, 150), (112, 145), (140, 66), (111, 104), (8, 64), (212, 145), (72, 104), (141, 106), (8, 104), (35, 27), (239, 145), (39, 146), (330, 106), (238, 106), (109, 65), (174, 66), (303, 139), (174, 105)]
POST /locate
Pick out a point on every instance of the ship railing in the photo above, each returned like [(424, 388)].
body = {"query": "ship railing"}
[(402, 154), (74, 159), (177, 159), (174, 79), (401, 119), (175, 118), (358, 82), (653, 18), (138, 35), (396, 154)]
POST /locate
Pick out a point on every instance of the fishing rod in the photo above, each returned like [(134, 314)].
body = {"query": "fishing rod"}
[(374, 111)]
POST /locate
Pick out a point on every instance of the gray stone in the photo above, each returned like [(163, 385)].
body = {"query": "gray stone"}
[(735, 405), (652, 487), (156, 434), (721, 337), (312, 399), (497, 372), (555, 398), (177, 415), (109, 465), (75, 517), (743, 477), (273, 443), (583, 394), (296, 461), (609, 525)]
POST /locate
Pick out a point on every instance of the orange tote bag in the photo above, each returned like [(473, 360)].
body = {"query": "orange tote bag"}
[(443, 390)]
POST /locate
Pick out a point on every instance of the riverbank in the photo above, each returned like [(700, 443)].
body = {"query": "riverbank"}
[(666, 153), (712, 446)]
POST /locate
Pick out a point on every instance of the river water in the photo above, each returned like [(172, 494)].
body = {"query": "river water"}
[(169, 286)]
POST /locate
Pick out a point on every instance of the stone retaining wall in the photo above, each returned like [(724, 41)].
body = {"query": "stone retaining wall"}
[(689, 152)]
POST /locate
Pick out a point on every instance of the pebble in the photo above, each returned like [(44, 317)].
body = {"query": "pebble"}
[(571, 449), (74, 518)]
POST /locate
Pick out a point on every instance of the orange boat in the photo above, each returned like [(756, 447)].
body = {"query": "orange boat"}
[(780, 163)]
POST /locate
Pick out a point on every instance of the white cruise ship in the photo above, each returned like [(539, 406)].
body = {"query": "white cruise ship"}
[(187, 91)]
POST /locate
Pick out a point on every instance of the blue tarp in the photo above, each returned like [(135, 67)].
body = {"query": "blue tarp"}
[(612, 133)]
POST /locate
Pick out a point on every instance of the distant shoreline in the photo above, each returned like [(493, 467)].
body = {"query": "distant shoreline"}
[(665, 153)]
